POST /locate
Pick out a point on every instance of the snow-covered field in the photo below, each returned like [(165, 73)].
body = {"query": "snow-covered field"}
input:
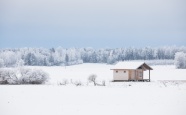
[(103, 72), (166, 97)]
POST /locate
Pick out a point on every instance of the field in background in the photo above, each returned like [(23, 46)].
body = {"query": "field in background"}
[(103, 72)]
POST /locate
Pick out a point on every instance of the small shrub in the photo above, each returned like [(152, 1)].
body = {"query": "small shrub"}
[(64, 82), (101, 84), (78, 83)]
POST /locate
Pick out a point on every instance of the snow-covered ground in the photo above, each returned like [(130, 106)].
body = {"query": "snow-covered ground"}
[(148, 99), (116, 98), (103, 72)]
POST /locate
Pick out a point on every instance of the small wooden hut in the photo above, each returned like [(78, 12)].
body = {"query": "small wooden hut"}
[(130, 71)]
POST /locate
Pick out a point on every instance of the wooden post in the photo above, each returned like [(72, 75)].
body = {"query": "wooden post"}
[(149, 75), (142, 74)]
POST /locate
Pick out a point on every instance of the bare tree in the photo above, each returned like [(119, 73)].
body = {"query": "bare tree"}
[(92, 78)]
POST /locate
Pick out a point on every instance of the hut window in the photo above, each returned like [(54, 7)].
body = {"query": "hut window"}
[(116, 71)]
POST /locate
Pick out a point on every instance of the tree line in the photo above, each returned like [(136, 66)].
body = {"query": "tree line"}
[(63, 57)]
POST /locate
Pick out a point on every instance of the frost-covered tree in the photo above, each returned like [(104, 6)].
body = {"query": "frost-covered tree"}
[(29, 76), (66, 60), (1, 63), (8, 76), (61, 56), (19, 63), (9, 58), (180, 60), (22, 76)]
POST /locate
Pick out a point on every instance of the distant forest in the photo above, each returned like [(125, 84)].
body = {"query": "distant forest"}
[(61, 56)]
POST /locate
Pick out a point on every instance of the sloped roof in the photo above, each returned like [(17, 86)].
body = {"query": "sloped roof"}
[(131, 65)]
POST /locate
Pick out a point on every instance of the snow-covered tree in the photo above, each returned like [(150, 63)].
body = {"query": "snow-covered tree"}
[(180, 60), (61, 56), (33, 76), (8, 76), (9, 58), (1, 63), (22, 76)]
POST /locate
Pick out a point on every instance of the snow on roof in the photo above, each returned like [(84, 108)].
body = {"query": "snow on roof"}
[(128, 65)]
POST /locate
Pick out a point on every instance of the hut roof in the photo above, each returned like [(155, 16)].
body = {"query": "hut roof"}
[(131, 65)]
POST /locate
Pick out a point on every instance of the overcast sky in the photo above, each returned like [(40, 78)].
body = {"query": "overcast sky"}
[(92, 23)]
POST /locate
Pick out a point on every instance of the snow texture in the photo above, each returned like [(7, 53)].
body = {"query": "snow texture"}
[(131, 99), (166, 97)]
